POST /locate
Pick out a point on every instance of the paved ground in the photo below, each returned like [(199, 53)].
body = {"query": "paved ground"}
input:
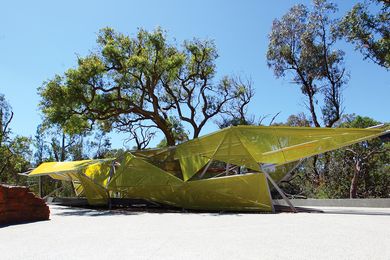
[(341, 233)]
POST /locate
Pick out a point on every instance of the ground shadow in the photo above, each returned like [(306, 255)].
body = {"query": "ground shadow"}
[(91, 212), (22, 223), (137, 210), (96, 211)]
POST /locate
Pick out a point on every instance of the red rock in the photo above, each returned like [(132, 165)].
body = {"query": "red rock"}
[(18, 204)]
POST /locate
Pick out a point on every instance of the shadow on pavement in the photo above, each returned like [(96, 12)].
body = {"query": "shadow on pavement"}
[(96, 212)]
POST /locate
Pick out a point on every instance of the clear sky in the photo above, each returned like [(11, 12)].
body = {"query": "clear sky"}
[(41, 38)]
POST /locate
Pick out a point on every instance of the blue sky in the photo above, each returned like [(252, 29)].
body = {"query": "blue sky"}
[(41, 38)]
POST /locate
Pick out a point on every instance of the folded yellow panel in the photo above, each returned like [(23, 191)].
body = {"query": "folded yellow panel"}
[(247, 192), (249, 145), (204, 146), (164, 175), (134, 171), (138, 179), (286, 144), (191, 165), (78, 188), (90, 177), (64, 167), (99, 171), (96, 194)]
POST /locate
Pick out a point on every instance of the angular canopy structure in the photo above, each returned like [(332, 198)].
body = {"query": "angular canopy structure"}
[(225, 170)]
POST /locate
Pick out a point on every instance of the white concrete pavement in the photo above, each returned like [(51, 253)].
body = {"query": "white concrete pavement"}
[(74, 233)]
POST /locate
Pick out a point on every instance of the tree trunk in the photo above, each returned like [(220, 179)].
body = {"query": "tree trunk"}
[(353, 189), (312, 107), (315, 171), (170, 139), (354, 181), (167, 131), (196, 132), (63, 148), (168, 135)]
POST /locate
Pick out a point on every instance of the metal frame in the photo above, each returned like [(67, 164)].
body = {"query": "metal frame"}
[(289, 173), (206, 168), (281, 193), (269, 191)]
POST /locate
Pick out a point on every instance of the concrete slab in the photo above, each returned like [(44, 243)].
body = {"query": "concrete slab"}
[(366, 203), (74, 233)]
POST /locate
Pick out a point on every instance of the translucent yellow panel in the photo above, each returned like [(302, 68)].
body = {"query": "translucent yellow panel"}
[(78, 188), (233, 151), (246, 144), (90, 175), (135, 171), (239, 192), (152, 174), (191, 165), (98, 172), (96, 195), (64, 167), (204, 146), (137, 179), (286, 144)]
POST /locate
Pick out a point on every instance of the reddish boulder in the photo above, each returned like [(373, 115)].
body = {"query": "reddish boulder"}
[(19, 204)]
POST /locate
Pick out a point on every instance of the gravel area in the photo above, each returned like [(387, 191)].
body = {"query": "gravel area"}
[(76, 233)]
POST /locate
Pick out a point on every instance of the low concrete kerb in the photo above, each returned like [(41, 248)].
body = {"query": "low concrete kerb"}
[(368, 203)]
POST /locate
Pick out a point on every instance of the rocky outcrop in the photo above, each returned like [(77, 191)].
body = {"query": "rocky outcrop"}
[(19, 204)]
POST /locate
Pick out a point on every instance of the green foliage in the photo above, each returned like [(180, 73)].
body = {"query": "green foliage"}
[(299, 120), (367, 161), (234, 121), (143, 80), (368, 31), (179, 133), (53, 144), (15, 151), (302, 44)]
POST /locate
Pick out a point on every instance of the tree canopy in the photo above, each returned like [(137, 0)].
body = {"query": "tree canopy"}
[(15, 151), (302, 43), (358, 171), (369, 31), (143, 81)]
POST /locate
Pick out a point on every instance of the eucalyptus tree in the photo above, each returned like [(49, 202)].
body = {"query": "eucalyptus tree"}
[(360, 170), (14, 150), (142, 80), (302, 48), (368, 30)]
